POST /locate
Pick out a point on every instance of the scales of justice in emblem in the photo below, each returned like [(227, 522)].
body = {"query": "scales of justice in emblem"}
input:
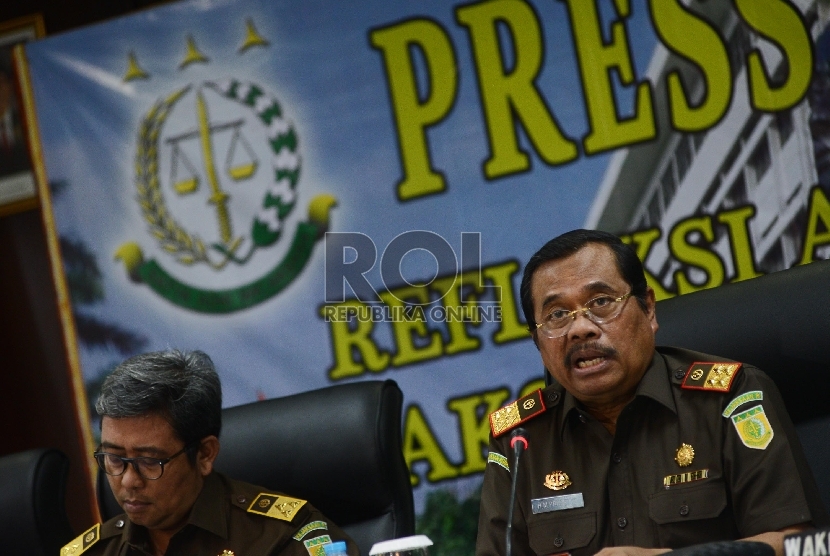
[(240, 163), (237, 130)]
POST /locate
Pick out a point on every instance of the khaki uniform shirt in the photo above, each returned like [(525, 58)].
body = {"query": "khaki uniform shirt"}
[(737, 484), (221, 525)]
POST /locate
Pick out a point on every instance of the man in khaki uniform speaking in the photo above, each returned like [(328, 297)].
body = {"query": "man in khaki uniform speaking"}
[(161, 414), (634, 449)]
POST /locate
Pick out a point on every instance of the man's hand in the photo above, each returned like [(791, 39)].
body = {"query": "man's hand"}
[(631, 551)]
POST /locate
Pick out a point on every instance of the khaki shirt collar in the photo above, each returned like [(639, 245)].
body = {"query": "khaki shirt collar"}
[(206, 513), (655, 384)]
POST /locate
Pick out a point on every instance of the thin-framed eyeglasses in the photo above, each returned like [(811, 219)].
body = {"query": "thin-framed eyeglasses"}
[(599, 310), (149, 468)]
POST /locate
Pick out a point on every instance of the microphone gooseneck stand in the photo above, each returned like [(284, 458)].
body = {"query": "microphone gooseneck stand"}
[(519, 444)]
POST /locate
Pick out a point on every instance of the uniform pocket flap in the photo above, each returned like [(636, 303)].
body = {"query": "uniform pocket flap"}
[(554, 533), (701, 501)]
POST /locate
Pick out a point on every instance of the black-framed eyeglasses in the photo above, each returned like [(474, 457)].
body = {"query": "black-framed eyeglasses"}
[(149, 468), (598, 310)]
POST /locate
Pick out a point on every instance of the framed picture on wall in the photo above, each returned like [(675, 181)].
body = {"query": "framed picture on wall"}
[(18, 190)]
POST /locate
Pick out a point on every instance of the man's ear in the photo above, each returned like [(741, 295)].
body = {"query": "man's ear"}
[(208, 450), (651, 311)]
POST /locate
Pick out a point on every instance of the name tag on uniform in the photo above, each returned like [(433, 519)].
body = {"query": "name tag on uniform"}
[(556, 503)]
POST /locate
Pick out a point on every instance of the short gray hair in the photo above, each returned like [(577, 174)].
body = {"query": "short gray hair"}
[(182, 387)]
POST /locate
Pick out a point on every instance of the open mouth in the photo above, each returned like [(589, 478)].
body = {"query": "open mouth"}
[(587, 356), (586, 363)]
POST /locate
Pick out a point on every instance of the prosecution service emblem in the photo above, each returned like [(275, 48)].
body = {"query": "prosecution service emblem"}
[(557, 480), (753, 427), (217, 172)]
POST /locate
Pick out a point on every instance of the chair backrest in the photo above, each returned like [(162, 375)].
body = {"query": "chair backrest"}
[(338, 447), (33, 520), (781, 324)]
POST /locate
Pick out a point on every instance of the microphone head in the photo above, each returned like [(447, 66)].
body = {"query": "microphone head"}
[(518, 435)]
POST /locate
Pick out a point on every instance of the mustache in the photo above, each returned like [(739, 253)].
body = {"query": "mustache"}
[(594, 347)]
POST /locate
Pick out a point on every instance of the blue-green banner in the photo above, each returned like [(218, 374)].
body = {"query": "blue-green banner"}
[(317, 192)]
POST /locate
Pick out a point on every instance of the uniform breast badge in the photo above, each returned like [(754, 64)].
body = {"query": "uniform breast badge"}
[(688, 477), (227, 553), (753, 427), (557, 480), (685, 455)]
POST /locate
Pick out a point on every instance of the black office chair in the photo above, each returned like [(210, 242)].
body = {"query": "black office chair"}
[(338, 447), (780, 323), (33, 520)]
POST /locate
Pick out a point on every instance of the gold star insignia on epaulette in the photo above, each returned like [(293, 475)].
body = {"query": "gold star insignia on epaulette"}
[(711, 376), (504, 419), (83, 542), (276, 506)]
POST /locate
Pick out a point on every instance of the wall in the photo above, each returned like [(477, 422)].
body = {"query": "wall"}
[(36, 410)]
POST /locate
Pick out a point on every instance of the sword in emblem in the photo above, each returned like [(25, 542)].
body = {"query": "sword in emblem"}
[(218, 197)]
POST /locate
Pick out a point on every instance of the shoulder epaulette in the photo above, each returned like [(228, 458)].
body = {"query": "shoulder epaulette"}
[(277, 506), (716, 377), (83, 542), (511, 415)]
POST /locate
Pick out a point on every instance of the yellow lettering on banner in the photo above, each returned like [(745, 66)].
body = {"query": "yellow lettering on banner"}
[(816, 235), (474, 419), (408, 331), (694, 39), (413, 115), (419, 444), (353, 324), (354, 350), (510, 327), (506, 94), (743, 255), (779, 22), (642, 242), (459, 340), (597, 59), (706, 260)]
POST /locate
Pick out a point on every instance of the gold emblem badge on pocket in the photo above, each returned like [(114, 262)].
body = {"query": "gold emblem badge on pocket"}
[(557, 480), (685, 455)]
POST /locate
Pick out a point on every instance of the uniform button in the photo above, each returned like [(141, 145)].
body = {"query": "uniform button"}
[(553, 397), (583, 418), (622, 522), (241, 499), (679, 373), (617, 458), (558, 542), (684, 510), (119, 523)]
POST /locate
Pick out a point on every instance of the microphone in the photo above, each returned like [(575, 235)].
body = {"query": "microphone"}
[(519, 444)]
